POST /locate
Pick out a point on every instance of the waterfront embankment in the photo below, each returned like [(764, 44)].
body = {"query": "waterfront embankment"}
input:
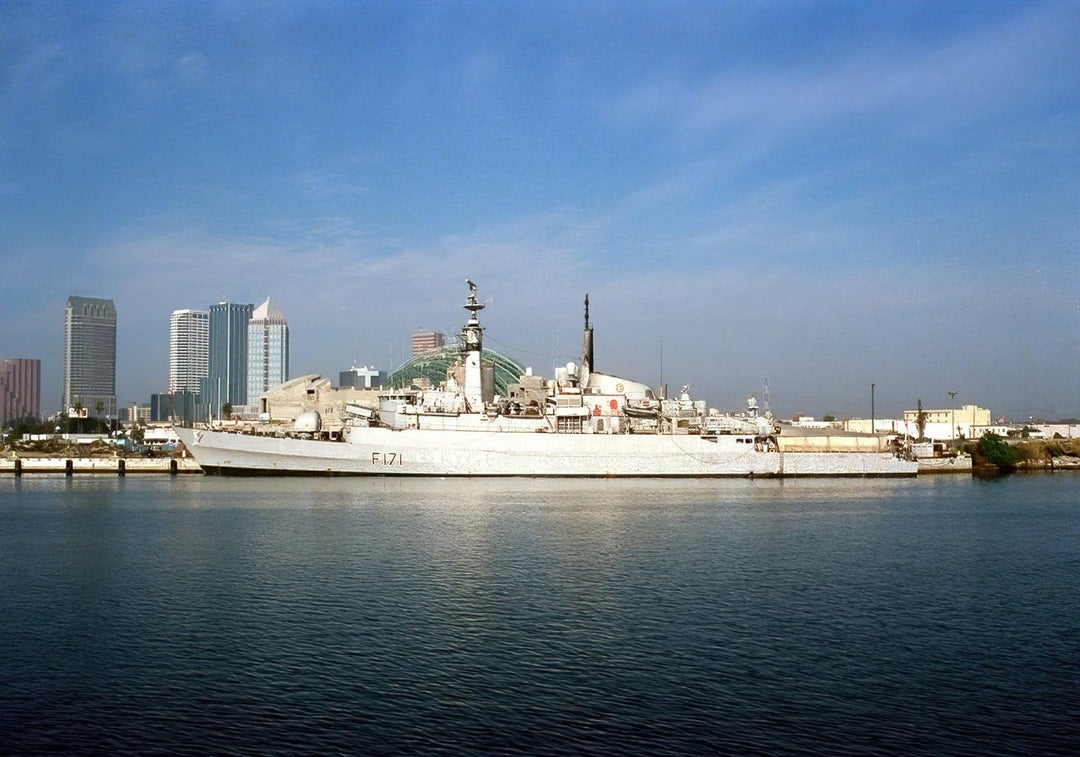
[(116, 466), (997, 454), (952, 464), (993, 452)]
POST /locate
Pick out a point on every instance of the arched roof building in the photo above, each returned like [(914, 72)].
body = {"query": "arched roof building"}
[(432, 365)]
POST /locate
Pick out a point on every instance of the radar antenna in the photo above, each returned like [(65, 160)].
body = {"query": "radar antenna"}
[(471, 335)]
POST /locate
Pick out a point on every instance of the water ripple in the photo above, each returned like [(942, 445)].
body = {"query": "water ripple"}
[(561, 618)]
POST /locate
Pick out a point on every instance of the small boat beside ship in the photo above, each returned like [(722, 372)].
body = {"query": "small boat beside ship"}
[(580, 423)]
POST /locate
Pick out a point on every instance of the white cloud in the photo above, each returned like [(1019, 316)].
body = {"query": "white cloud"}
[(724, 320), (40, 69), (193, 68)]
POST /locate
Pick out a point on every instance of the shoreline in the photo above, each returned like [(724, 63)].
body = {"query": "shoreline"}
[(121, 466)]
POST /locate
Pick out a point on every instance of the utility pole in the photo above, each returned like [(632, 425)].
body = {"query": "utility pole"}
[(952, 409), (873, 427)]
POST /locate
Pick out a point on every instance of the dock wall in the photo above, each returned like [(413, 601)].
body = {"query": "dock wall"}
[(961, 464), (116, 466)]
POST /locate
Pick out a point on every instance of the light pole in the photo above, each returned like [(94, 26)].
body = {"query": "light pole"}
[(952, 409)]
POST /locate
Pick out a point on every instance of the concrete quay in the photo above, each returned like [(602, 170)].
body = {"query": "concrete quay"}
[(116, 466), (961, 464)]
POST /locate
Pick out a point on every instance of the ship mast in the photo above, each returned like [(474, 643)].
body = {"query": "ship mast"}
[(586, 348), (472, 347)]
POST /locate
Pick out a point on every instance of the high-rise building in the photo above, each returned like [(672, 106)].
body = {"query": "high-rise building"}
[(90, 356), (362, 378), (423, 341), (20, 389), (136, 414), (189, 350), (226, 379), (163, 407), (179, 407), (268, 350)]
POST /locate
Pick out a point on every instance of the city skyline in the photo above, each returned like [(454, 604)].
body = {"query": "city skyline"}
[(831, 196)]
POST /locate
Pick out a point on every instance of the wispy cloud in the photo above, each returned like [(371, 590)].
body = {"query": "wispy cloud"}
[(34, 70), (917, 88), (193, 68), (321, 184)]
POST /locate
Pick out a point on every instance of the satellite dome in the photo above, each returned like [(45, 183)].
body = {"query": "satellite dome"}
[(309, 422)]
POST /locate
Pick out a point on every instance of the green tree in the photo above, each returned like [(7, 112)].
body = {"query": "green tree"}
[(20, 427), (99, 424), (132, 437), (998, 451)]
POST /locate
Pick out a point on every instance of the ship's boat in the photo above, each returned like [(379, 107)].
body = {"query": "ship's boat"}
[(581, 422)]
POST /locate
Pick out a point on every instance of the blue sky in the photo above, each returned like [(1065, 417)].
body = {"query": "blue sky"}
[(827, 194)]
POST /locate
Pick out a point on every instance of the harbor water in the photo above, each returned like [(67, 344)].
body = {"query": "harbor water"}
[(195, 615)]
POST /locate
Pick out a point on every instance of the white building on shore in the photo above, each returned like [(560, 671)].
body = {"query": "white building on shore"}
[(964, 422)]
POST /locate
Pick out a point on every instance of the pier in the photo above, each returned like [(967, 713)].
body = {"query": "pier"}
[(116, 466)]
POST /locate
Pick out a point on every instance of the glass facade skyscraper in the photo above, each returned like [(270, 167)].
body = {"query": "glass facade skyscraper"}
[(268, 350), (226, 380), (90, 356)]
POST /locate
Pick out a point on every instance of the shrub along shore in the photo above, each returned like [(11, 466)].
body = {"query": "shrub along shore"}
[(995, 452)]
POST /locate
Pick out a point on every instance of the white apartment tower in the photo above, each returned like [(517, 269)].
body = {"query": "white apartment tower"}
[(268, 350), (189, 350)]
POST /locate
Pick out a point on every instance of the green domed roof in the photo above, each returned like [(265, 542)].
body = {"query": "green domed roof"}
[(432, 366)]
